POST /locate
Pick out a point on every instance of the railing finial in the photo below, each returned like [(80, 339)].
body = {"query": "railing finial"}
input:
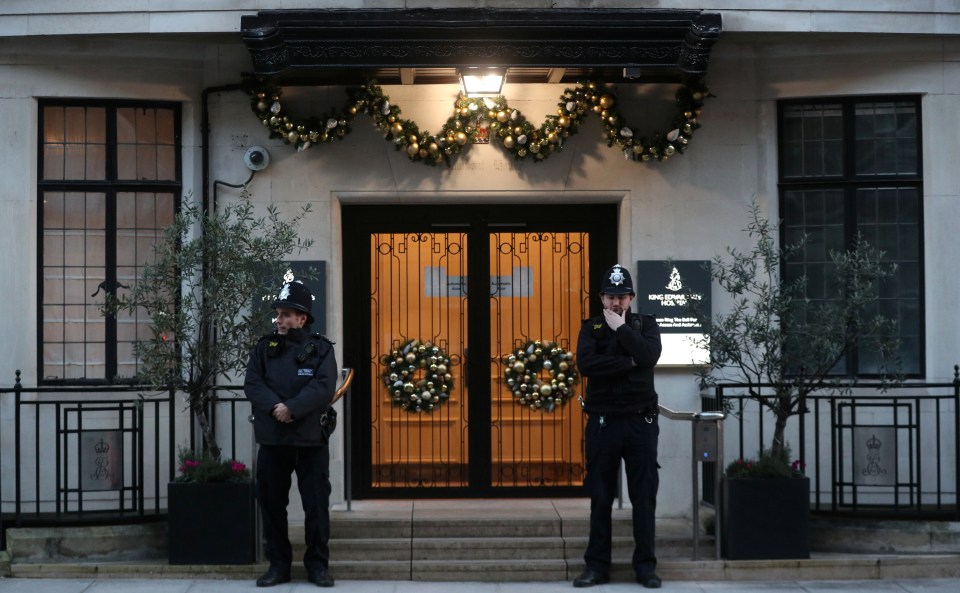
[(956, 374)]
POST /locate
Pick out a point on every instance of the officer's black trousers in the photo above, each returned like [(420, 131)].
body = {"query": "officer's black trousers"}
[(275, 466), (632, 438)]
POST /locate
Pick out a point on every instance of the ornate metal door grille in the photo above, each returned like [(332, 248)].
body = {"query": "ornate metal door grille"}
[(418, 302), (538, 298)]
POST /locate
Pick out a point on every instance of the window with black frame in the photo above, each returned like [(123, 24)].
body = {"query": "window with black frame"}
[(109, 181), (853, 166)]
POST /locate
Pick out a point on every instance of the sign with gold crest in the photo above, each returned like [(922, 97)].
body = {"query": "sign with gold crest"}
[(665, 290)]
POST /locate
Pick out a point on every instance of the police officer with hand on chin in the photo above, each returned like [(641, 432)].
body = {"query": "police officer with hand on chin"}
[(617, 351), (290, 382)]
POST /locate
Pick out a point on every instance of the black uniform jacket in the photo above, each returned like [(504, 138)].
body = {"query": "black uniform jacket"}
[(299, 370), (619, 364)]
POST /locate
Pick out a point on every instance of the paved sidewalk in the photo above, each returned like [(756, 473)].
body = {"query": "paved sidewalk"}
[(223, 586)]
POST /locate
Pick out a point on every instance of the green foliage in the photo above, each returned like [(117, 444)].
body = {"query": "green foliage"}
[(203, 467), (773, 338), (197, 291)]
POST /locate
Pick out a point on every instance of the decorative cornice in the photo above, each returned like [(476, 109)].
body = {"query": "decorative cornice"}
[(340, 45)]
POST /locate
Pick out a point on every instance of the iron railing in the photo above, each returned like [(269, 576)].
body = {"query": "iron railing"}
[(137, 432), (868, 449), (104, 454)]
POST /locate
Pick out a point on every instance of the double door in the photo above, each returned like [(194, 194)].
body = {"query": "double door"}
[(462, 323)]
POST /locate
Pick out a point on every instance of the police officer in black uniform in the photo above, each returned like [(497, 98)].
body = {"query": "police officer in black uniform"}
[(290, 382), (617, 351)]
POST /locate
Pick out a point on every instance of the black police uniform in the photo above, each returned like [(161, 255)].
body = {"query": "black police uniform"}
[(622, 405), (299, 370)]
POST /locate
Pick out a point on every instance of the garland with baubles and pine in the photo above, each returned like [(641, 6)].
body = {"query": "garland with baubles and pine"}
[(417, 376), (507, 126), (541, 375)]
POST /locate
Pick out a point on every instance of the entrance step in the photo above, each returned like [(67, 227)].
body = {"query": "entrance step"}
[(478, 545), (481, 544)]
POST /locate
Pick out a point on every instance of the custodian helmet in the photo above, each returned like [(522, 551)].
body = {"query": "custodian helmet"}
[(294, 295), (616, 280)]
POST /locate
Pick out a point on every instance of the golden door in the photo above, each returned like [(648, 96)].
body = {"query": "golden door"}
[(518, 424)]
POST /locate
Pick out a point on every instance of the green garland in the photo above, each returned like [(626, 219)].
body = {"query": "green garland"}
[(408, 391), (508, 127), (523, 369)]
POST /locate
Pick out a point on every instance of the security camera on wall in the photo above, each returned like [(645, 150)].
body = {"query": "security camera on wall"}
[(256, 158)]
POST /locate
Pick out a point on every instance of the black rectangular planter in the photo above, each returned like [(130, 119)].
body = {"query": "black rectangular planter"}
[(211, 523), (766, 518)]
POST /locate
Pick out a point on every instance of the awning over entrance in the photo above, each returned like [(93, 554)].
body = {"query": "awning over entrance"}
[(340, 46)]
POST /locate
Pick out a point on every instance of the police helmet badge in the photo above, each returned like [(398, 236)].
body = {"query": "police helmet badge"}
[(616, 275)]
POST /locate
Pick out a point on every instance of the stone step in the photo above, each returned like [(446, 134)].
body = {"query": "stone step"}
[(365, 547), (352, 525), (115, 543), (841, 535), (490, 548), (497, 571), (484, 549)]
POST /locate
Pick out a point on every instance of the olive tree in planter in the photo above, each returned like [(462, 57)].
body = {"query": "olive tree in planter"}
[(781, 346), (198, 292)]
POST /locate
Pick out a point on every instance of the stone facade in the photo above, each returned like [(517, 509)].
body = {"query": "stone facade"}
[(689, 207)]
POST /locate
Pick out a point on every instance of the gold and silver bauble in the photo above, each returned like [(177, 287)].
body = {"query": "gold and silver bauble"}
[(541, 375), (418, 376)]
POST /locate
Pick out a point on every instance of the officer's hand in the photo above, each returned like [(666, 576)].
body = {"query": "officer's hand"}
[(614, 320), (282, 413)]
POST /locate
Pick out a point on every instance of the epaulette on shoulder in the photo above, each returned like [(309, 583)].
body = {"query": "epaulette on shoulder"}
[(319, 336)]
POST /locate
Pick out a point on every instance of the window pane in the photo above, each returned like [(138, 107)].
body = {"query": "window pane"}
[(53, 161), (126, 126), (166, 162), (76, 125), (146, 162), (75, 161), (165, 127), (96, 161), (908, 274), (126, 161), (73, 143), (96, 127), (54, 125), (812, 143), (141, 133), (886, 138), (792, 206), (832, 157)]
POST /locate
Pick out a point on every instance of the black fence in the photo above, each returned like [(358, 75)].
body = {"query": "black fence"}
[(869, 450), (103, 454)]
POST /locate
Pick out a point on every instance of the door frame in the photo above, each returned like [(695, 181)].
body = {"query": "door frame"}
[(478, 221)]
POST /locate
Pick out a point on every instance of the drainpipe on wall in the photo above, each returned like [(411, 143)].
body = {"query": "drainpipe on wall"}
[(205, 139), (208, 208)]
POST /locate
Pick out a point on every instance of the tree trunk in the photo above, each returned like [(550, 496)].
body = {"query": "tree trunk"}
[(206, 428), (782, 411)]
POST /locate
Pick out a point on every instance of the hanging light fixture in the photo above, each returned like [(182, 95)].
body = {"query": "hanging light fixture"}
[(481, 81)]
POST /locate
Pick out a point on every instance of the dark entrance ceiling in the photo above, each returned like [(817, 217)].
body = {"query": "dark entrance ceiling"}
[(428, 45)]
